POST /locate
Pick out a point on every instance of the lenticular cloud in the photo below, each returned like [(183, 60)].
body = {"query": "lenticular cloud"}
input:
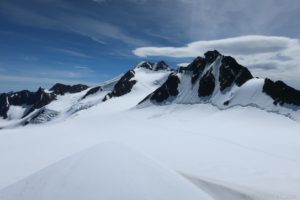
[(244, 45)]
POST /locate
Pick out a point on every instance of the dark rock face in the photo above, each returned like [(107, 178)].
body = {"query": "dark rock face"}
[(181, 69), (206, 84), (232, 72), (4, 105), (226, 103), (21, 98), (146, 65), (197, 67), (61, 89), (123, 86), (161, 65), (42, 98), (36, 100), (168, 89), (39, 99), (92, 91), (211, 56), (281, 93)]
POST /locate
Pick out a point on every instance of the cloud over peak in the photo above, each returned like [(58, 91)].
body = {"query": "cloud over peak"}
[(278, 56)]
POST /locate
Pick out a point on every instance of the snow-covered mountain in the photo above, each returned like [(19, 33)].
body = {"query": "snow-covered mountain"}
[(214, 78), (221, 81), (61, 101), (197, 132)]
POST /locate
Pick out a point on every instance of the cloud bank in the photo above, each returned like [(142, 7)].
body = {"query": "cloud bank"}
[(266, 55)]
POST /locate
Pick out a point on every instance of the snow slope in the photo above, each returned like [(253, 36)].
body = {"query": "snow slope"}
[(106, 171), (68, 104), (227, 151), (246, 150)]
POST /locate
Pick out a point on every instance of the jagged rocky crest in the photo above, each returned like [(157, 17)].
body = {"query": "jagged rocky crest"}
[(35, 100), (61, 89), (31, 100), (281, 93), (203, 73), (161, 65), (218, 79)]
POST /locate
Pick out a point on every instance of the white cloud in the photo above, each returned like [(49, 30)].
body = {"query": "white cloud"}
[(244, 45), (266, 56)]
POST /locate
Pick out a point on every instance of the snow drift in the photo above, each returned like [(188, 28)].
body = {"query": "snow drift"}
[(108, 171)]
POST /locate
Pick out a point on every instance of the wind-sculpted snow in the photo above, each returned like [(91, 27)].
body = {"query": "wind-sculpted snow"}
[(107, 171), (241, 151)]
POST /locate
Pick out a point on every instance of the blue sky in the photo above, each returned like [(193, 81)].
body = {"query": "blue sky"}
[(89, 41)]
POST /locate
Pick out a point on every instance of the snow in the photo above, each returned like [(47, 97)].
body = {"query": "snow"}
[(235, 153), (106, 171), (234, 146), (15, 112)]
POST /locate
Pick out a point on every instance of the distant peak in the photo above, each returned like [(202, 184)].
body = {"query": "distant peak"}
[(145, 65), (160, 65)]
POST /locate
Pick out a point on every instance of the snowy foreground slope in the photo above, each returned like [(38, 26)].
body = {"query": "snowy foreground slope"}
[(232, 150), (105, 171), (241, 140)]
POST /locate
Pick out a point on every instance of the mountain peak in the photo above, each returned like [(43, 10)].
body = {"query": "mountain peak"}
[(160, 65), (211, 56), (145, 65), (222, 81)]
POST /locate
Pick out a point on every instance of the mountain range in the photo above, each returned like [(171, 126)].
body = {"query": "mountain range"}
[(214, 78), (209, 130)]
